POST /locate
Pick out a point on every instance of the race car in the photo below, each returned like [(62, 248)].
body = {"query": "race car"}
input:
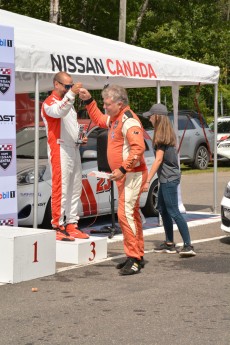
[(95, 197)]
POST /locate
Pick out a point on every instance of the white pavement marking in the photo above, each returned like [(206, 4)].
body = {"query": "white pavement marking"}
[(89, 264), (160, 229), (123, 255), (205, 240), (68, 268), (152, 231)]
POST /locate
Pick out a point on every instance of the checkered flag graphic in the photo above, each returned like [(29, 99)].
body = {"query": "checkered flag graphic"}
[(6, 222), (5, 71), (6, 147)]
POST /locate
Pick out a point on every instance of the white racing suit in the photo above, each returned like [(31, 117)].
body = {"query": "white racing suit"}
[(62, 129)]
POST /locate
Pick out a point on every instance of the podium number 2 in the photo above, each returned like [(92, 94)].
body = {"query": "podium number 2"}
[(35, 251), (93, 251)]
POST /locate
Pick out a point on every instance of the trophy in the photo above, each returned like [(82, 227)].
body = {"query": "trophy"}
[(81, 134)]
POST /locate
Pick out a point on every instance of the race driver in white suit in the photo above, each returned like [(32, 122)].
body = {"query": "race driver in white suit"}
[(62, 129)]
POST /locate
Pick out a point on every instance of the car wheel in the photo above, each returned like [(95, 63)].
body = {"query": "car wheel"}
[(46, 224), (201, 158), (150, 208)]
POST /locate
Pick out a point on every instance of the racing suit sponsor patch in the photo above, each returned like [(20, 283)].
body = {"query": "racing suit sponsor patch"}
[(115, 124)]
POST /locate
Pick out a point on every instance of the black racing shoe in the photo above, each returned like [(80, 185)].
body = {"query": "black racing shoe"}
[(187, 251), (166, 248), (132, 266), (122, 264)]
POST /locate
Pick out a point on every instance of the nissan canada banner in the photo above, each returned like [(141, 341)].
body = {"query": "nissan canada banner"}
[(8, 182)]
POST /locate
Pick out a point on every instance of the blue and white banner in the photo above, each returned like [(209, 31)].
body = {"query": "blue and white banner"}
[(8, 171)]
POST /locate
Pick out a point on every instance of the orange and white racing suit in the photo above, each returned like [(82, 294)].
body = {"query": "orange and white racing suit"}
[(126, 150), (62, 129)]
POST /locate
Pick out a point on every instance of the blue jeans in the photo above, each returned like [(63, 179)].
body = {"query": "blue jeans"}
[(169, 210)]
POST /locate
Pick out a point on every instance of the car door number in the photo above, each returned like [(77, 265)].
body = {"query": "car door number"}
[(103, 185)]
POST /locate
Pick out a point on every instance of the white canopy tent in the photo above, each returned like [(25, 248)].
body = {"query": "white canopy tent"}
[(42, 49), (46, 48)]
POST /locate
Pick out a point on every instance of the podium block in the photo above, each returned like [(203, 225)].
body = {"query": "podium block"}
[(26, 254), (82, 251)]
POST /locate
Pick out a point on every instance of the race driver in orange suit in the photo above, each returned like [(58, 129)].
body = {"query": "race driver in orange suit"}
[(62, 129), (125, 153)]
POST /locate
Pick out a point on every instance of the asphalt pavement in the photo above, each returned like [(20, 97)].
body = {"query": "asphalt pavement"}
[(171, 301)]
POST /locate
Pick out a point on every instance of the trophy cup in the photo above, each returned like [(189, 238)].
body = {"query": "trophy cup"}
[(81, 134)]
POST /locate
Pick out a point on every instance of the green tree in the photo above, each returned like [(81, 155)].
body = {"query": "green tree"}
[(35, 9), (198, 30)]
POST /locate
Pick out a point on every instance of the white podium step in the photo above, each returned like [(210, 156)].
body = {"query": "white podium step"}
[(26, 253), (81, 251)]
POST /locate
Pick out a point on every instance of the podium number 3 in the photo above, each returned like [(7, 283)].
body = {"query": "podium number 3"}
[(35, 251), (92, 244), (93, 251)]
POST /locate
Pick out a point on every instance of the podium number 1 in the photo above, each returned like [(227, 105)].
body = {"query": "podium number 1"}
[(35, 251)]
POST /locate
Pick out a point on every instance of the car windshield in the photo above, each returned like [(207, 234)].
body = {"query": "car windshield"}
[(222, 126), (25, 143), (26, 136)]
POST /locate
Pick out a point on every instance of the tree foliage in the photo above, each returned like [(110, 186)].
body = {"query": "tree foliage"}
[(198, 30)]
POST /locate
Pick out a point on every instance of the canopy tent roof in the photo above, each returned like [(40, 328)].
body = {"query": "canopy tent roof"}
[(45, 48)]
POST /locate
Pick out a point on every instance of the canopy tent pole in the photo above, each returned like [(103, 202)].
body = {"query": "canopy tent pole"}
[(36, 151), (158, 92), (215, 148), (175, 96)]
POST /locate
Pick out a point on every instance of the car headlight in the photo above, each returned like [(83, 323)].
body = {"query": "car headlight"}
[(224, 145), (227, 191), (27, 176)]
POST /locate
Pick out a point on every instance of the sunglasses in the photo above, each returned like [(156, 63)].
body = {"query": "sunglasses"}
[(66, 86)]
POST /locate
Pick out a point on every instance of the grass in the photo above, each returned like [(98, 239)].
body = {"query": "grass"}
[(221, 166)]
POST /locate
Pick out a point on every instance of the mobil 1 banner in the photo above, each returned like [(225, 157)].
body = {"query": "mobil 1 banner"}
[(6, 44), (8, 196), (8, 169)]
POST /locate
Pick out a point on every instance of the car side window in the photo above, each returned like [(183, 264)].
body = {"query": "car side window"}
[(185, 122), (201, 124)]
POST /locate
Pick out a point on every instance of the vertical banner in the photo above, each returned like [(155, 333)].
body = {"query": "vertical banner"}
[(8, 172)]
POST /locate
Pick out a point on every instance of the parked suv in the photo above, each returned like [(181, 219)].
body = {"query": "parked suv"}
[(194, 150)]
